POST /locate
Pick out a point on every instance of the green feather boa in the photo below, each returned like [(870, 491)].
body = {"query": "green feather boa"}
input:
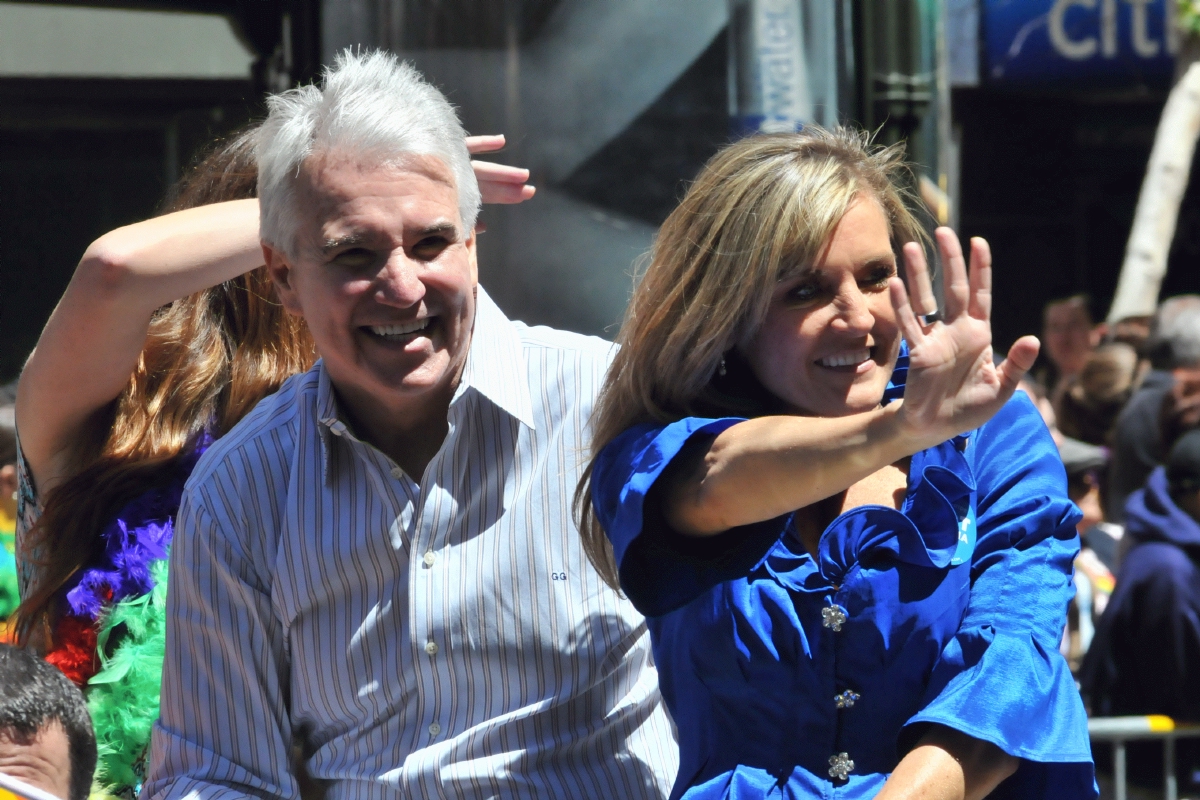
[(123, 696), (9, 598)]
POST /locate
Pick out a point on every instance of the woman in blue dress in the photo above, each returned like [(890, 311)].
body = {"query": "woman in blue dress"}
[(851, 541)]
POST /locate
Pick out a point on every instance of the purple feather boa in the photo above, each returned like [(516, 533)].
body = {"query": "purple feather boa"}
[(139, 535)]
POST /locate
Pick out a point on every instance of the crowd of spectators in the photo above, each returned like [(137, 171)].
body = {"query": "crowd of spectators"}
[(1123, 403)]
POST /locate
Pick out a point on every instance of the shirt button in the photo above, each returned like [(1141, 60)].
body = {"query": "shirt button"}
[(840, 766), (435, 729), (834, 617), (397, 472), (431, 648), (429, 558)]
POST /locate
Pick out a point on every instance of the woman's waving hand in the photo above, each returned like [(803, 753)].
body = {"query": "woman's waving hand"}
[(953, 383)]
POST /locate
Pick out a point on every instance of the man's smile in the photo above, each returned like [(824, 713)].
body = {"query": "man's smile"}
[(399, 330), (401, 334)]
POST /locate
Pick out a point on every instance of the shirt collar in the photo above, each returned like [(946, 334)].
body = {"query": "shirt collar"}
[(495, 368), (495, 365), (327, 415)]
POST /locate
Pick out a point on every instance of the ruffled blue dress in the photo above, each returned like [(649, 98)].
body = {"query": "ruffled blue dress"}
[(795, 677)]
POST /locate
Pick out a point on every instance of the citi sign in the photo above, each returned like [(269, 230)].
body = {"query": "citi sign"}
[(1106, 41)]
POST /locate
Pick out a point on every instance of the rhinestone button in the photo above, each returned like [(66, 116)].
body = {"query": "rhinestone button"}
[(435, 729), (833, 617), (840, 766), (431, 648), (429, 558), (846, 699)]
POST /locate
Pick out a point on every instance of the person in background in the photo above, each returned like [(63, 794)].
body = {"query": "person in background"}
[(1143, 659), (1088, 409), (1068, 335), (1164, 404), (1133, 331), (9, 594), (1085, 465), (168, 334), (46, 737)]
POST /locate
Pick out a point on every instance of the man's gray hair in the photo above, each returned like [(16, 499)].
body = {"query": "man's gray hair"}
[(1175, 338), (369, 104)]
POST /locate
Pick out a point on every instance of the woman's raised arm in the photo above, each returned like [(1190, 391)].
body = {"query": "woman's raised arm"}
[(765, 467), (91, 344)]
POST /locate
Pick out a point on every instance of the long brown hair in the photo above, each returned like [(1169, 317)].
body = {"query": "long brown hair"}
[(759, 212), (208, 359)]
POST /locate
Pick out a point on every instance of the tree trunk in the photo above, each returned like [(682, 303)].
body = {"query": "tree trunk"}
[(1158, 204)]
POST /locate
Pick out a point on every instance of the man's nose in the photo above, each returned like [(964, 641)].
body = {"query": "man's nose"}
[(399, 282)]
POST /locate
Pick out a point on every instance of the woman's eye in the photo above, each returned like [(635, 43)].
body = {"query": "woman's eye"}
[(879, 277), (804, 293)]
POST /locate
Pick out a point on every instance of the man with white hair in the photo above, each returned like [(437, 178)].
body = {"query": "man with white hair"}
[(376, 585)]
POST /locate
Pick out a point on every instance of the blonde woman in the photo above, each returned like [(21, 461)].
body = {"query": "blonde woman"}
[(851, 541)]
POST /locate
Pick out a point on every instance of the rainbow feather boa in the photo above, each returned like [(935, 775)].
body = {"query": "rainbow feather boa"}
[(111, 637)]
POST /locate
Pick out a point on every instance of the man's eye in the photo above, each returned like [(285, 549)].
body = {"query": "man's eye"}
[(430, 247), (358, 257)]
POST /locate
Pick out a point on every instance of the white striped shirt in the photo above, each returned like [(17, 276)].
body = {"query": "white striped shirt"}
[(447, 640)]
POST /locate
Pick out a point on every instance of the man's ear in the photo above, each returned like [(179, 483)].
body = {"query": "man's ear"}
[(280, 270), (473, 256)]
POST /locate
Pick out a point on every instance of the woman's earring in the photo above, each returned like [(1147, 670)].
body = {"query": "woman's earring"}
[(721, 367)]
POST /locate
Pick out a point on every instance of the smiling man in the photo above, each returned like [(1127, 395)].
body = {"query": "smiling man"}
[(376, 586)]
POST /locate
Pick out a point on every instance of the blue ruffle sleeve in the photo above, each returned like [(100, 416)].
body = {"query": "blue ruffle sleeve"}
[(1001, 678), (661, 570)]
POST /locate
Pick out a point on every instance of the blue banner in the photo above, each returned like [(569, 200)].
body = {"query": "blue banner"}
[(1089, 43)]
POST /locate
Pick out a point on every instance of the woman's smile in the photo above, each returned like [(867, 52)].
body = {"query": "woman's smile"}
[(855, 361)]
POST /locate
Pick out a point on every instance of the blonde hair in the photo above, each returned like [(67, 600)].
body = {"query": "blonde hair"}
[(759, 212), (208, 359)]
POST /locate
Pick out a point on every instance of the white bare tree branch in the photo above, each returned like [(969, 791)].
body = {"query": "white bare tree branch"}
[(1158, 204)]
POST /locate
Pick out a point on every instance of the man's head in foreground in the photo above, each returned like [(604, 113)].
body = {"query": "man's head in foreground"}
[(46, 737), (368, 212)]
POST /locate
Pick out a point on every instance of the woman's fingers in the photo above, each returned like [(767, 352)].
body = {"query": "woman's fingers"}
[(923, 300), (957, 287), (485, 144), (505, 193), (910, 328), (499, 173), (1020, 360), (499, 183), (980, 306)]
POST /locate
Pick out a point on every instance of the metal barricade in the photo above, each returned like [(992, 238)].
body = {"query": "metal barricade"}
[(1119, 730)]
